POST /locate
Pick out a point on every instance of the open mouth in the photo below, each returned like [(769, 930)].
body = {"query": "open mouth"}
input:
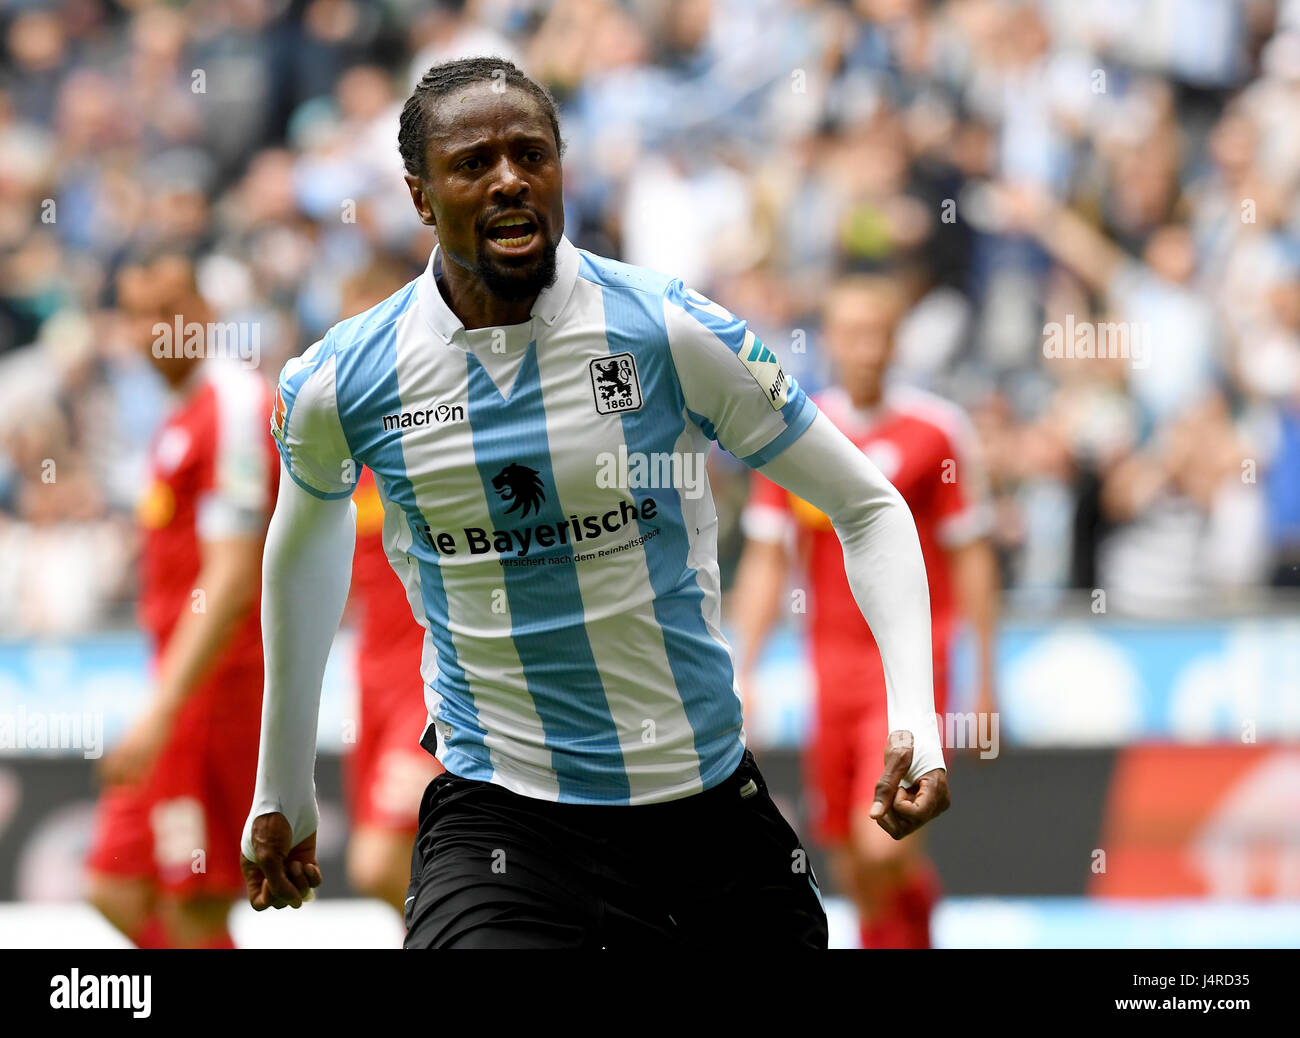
[(513, 232)]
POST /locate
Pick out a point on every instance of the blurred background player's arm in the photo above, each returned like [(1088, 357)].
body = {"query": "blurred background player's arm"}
[(760, 583), (227, 583), (1069, 238), (976, 586), (965, 519), (307, 569)]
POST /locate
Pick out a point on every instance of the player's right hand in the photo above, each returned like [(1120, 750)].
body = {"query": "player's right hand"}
[(280, 876), (899, 809)]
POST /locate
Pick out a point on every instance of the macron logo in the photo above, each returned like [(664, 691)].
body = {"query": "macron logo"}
[(424, 416), (73, 991)]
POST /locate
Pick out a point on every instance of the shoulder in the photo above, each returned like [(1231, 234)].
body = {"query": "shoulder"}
[(652, 288), (661, 311), (343, 349), (233, 383), (832, 400), (240, 405), (348, 341), (616, 276), (933, 412), (374, 323)]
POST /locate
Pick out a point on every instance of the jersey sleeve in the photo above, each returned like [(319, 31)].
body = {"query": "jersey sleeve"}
[(885, 570), (734, 386), (962, 510), (307, 429), (237, 502)]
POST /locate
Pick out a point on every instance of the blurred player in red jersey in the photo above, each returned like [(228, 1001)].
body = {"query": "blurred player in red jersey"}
[(924, 446), (164, 860), (388, 770)]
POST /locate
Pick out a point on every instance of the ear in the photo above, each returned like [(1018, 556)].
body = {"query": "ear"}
[(420, 200)]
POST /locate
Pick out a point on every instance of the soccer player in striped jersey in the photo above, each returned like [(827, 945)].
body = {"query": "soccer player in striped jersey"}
[(536, 417), (926, 446)]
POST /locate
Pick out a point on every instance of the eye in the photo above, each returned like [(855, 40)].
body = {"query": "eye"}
[(534, 155), (471, 164)]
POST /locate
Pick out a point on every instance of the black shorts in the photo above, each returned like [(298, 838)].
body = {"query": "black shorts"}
[(720, 869)]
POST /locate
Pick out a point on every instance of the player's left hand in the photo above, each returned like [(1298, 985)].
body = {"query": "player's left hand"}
[(901, 810), (134, 756)]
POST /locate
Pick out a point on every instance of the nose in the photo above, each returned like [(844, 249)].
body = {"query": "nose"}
[(506, 179)]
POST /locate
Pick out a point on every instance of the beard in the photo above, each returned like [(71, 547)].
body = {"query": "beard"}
[(515, 283)]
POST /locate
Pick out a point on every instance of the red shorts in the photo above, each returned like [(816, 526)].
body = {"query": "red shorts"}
[(181, 826), (846, 751), (388, 770)]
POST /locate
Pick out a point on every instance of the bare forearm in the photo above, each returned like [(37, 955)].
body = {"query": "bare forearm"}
[(757, 598), (223, 595), (975, 575), (1074, 242)]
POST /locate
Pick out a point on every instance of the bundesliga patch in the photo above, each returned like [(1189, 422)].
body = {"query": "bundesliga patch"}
[(614, 384), (766, 369), (277, 417)]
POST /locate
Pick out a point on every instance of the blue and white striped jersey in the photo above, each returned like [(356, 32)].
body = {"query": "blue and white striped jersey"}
[(548, 513)]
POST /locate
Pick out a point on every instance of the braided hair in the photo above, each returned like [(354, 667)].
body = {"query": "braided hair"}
[(441, 80)]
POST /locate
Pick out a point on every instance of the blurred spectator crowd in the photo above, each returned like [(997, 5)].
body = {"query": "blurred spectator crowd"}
[(1132, 164)]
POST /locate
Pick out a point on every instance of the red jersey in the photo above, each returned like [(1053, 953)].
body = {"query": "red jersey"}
[(391, 642), (925, 446), (213, 473)]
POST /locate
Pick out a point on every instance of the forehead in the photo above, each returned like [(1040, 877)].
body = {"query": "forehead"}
[(863, 303), (482, 111)]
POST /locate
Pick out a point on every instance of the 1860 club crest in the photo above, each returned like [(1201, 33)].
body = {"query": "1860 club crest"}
[(614, 384)]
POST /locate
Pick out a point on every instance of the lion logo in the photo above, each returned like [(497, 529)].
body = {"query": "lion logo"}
[(521, 486), (613, 379)]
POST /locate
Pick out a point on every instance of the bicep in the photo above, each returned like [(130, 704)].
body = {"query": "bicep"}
[(733, 384), (975, 571), (240, 554)]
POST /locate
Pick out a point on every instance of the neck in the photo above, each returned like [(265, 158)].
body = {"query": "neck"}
[(179, 375), (467, 296), (864, 400)]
